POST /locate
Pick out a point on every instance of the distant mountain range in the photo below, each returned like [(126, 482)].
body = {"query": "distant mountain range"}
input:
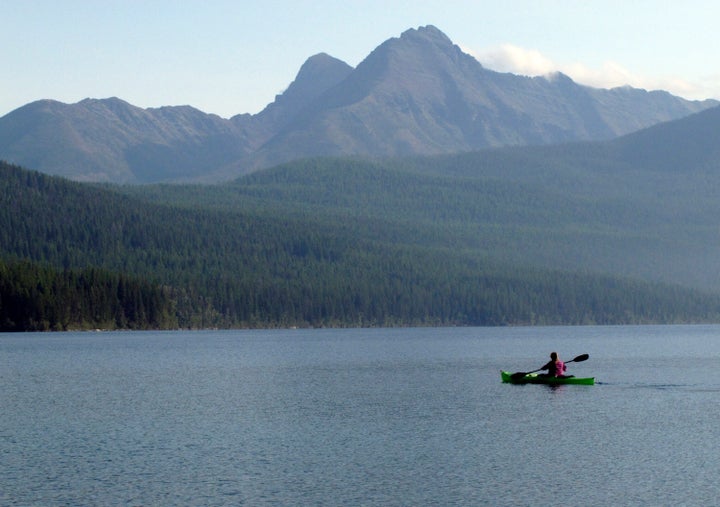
[(418, 94)]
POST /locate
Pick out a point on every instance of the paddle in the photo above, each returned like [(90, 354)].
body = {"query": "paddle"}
[(521, 374)]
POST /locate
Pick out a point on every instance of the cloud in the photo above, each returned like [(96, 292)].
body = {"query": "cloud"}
[(509, 58), (531, 62), (705, 87), (609, 75)]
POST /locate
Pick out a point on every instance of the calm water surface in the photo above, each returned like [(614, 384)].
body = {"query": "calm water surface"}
[(384, 417)]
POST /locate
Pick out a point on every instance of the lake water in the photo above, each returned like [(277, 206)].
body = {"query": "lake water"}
[(379, 417)]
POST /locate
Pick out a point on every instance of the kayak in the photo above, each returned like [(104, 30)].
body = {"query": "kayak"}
[(535, 378)]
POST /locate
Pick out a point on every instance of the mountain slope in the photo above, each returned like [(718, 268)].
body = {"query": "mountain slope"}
[(226, 256), (111, 140), (415, 94), (318, 74), (688, 144), (643, 205), (595, 207)]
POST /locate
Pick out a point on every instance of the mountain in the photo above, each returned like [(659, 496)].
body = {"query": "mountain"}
[(111, 140), (415, 94), (318, 74), (642, 206), (616, 231), (420, 94)]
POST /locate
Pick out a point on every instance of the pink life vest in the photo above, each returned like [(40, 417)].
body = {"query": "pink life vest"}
[(557, 369)]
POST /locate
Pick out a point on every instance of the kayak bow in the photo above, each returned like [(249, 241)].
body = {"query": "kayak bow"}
[(534, 378)]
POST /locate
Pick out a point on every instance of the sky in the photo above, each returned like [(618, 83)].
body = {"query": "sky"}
[(234, 56)]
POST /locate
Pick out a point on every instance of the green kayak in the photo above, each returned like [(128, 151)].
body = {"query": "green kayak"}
[(534, 378)]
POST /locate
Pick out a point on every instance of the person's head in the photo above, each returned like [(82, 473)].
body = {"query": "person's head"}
[(553, 356)]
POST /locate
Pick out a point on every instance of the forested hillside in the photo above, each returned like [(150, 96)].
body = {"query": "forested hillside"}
[(577, 207), (325, 243), (39, 298)]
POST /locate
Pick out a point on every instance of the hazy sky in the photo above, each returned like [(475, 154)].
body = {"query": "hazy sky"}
[(234, 56)]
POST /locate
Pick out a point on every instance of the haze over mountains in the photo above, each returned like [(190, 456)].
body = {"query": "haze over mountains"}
[(418, 188), (418, 94)]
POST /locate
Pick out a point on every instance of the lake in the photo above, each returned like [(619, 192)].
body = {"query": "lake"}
[(361, 417)]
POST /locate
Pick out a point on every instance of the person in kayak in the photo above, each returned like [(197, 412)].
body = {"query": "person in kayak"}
[(555, 367)]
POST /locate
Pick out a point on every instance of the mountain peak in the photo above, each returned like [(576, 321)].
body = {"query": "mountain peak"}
[(557, 76), (428, 32), (318, 74), (417, 53), (110, 101), (422, 39), (320, 71)]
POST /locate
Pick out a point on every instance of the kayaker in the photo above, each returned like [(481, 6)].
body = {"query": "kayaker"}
[(555, 367)]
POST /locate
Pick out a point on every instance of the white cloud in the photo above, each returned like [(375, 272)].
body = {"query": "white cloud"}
[(509, 58), (531, 62), (703, 88)]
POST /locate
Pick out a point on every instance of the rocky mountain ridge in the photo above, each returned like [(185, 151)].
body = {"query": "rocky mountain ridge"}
[(415, 94)]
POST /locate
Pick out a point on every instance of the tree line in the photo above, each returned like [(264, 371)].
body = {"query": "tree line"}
[(39, 298)]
